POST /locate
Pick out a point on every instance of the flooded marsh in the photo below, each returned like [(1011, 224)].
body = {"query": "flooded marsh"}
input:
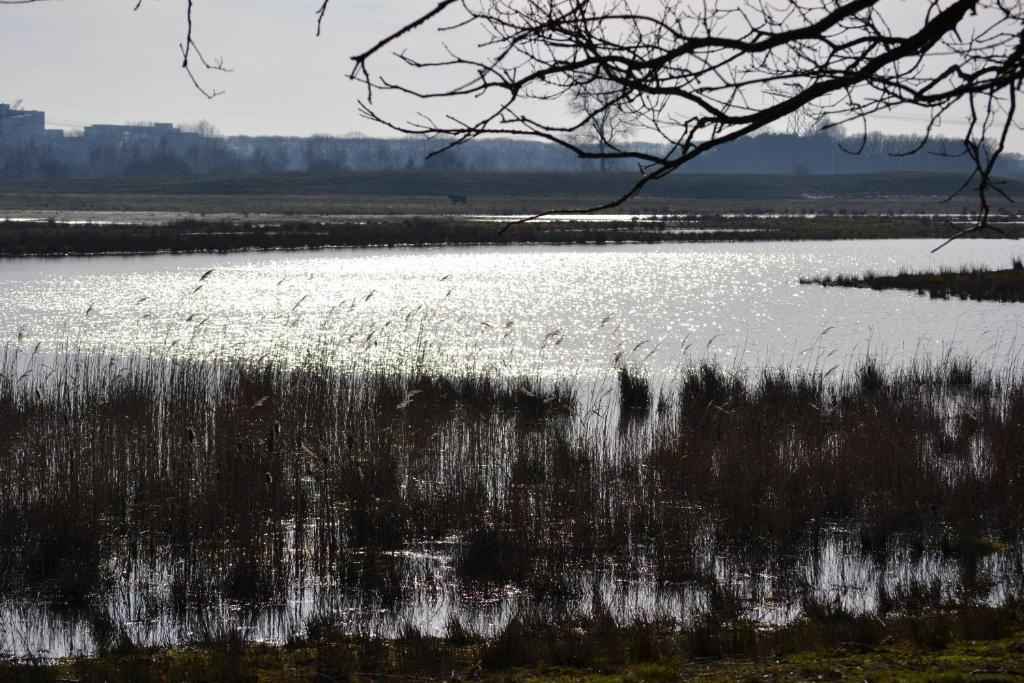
[(150, 500), (384, 442)]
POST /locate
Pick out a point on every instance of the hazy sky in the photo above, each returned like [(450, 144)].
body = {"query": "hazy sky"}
[(89, 61), (97, 61)]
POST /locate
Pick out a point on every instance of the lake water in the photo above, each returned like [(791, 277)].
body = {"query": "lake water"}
[(545, 310)]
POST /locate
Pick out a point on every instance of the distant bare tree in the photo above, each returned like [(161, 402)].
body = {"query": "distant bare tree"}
[(697, 75), (203, 128), (604, 119)]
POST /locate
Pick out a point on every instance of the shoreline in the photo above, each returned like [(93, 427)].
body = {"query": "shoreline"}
[(54, 238), (975, 644)]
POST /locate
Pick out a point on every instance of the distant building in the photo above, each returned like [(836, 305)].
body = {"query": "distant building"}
[(20, 126), (110, 133)]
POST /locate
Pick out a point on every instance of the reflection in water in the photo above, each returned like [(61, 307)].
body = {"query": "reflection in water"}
[(431, 599)]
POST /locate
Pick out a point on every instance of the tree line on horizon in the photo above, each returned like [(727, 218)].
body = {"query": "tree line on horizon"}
[(148, 151)]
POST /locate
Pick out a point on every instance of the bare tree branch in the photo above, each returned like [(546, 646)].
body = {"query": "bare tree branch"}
[(694, 76), (320, 15)]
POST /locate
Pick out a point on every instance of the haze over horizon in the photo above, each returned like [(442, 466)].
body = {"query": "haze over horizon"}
[(284, 80)]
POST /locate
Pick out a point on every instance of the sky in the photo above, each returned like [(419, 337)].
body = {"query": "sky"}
[(85, 61), (98, 61)]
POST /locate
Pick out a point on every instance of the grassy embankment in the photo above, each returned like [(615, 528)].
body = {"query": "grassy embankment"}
[(426, 192), (308, 211), (980, 284), (142, 492)]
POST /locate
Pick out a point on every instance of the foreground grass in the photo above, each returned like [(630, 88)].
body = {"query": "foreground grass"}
[(140, 497), (984, 645), (968, 283)]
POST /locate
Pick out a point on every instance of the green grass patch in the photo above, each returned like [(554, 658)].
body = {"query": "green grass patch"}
[(791, 653)]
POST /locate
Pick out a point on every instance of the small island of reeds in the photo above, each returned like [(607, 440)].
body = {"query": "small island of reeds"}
[(979, 284)]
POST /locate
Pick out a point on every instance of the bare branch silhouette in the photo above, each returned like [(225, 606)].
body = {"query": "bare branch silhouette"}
[(187, 48), (694, 76)]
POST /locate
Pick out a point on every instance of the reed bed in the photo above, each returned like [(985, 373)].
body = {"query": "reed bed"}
[(979, 284), (159, 490), (55, 238)]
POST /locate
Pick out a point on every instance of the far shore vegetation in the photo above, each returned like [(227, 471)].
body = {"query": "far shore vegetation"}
[(55, 238), (980, 284), (444, 193), (295, 211)]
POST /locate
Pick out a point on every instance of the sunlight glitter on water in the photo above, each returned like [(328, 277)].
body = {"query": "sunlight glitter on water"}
[(546, 310)]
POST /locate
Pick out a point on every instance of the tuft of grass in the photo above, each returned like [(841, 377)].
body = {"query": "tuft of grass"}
[(634, 389)]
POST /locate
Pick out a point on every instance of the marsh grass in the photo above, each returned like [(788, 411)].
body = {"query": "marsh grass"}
[(981, 284), (634, 390), (152, 490), (194, 235), (185, 235)]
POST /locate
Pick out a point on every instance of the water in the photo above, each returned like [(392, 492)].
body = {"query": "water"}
[(544, 310), (89, 217), (431, 599)]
